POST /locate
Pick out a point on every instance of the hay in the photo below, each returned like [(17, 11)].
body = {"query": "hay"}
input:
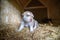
[(9, 15), (43, 32)]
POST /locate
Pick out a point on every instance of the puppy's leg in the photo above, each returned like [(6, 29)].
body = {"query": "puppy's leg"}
[(21, 26), (31, 28), (36, 25)]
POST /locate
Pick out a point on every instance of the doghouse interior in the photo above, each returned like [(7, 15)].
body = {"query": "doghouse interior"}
[(40, 14)]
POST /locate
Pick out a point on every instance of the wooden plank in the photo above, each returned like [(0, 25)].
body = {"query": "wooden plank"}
[(27, 3), (24, 2), (19, 2), (34, 7)]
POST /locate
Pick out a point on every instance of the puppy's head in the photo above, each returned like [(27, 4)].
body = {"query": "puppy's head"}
[(27, 16), (28, 13)]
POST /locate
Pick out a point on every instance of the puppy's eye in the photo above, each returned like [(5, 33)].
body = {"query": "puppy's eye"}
[(27, 15)]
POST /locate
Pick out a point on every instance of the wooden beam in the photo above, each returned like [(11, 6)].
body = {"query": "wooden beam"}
[(34, 7), (43, 2), (27, 3), (19, 2)]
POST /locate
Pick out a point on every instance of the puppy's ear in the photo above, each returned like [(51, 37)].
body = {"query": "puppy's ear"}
[(24, 13), (32, 16)]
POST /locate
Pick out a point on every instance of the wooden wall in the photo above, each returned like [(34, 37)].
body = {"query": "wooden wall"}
[(39, 14), (16, 4), (53, 7), (54, 10)]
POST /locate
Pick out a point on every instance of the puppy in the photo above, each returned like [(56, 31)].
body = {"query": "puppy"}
[(28, 21)]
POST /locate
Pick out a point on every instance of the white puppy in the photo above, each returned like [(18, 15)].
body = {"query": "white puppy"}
[(28, 21)]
